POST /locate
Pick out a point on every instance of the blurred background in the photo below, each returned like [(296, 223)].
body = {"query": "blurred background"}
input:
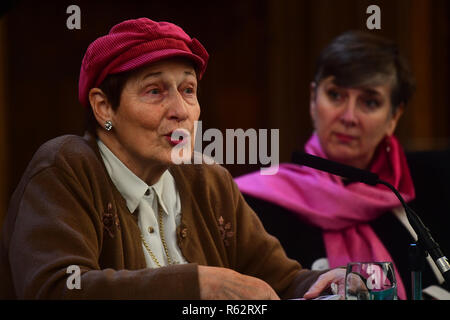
[(262, 57)]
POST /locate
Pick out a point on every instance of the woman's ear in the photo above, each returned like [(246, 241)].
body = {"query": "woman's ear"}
[(101, 107), (394, 119)]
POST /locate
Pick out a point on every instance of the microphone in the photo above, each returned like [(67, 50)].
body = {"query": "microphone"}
[(351, 173), (425, 240)]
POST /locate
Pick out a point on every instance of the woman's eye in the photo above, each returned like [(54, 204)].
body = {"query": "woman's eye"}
[(154, 91), (372, 104), (189, 90), (334, 94)]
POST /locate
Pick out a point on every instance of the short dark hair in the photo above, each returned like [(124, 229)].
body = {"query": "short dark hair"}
[(357, 58)]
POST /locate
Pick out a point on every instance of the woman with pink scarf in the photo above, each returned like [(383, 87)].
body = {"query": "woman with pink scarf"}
[(359, 92)]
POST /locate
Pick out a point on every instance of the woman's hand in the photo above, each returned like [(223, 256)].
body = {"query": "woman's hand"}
[(226, 284), (334, 279)]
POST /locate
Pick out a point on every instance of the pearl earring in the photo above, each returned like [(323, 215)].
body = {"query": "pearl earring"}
[(388, 144)]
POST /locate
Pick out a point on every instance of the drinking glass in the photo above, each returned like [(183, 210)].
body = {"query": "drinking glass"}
[(370, 281)]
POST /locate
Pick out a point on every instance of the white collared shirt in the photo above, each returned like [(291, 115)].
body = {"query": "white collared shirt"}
[(134, 191)]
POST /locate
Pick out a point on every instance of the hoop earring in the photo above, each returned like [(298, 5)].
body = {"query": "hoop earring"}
[(108, 125)]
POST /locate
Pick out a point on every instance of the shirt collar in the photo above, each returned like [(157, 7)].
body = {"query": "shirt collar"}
[(162, 190), (131, 186)]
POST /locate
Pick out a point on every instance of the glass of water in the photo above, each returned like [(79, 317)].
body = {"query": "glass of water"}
[(370, 281)]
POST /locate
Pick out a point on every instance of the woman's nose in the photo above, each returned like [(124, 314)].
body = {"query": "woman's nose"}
[(177, 107), (348, 116)]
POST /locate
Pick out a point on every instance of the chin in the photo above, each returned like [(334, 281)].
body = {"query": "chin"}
[(342, 154), (159, 157)]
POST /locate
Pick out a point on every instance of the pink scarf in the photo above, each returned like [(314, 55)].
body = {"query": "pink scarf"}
[(342, 212)]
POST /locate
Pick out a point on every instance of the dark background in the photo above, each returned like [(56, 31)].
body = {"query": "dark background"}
[(262, 55)]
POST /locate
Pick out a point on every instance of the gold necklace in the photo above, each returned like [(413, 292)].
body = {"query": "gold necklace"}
[(163, 240)]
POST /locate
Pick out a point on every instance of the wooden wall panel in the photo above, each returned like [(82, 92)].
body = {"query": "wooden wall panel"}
[(4, 176)]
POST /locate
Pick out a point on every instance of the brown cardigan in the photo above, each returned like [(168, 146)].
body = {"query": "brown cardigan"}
[(67, 211)]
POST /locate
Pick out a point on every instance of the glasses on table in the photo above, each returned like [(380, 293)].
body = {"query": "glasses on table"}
[(370, 281)]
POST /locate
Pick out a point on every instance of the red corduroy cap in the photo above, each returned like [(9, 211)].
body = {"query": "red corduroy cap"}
[(132, 44)]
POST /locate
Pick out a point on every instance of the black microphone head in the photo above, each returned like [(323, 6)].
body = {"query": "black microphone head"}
[(336, 168)]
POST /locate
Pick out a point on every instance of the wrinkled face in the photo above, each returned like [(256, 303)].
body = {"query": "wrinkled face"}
[(156, 101), (351, 122)]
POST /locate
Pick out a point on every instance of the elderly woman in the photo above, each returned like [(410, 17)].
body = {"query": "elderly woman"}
[(113, 205), (360, 89)]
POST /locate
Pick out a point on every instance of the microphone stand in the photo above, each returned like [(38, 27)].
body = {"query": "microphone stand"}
[(416, 262), (425, 240)]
